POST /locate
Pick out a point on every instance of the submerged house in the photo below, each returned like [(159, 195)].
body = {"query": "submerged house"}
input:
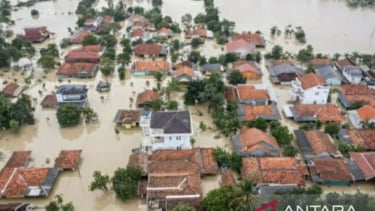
[(68, 160), (250, 95), (350, 70), (329, 171), (186, 74), (12, 90), (144, 98), (253, 112), (127, 118), (77, 70), (310, 89), (310, 113), (145, 68), (248, 69), (326, 69), (208, 69), (363, 138), (283, 71), (72, 94), (36, 34), (150, 49), (83, 55), (256, 39), (252, 142), (240, 47)]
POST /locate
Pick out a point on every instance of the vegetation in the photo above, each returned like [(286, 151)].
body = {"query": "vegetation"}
[(183, 207), (304, 55), (235, 77), (345, 148), (218, 199), (290, 150), (58, 204), (107, 66), (20, 112), (34, 12), (281, 133), (157, 3), (299, 34), (68, 115), (259, 123), (228, 160), (362, 3), (5, 11), (332, 129), (100, 181), (172, 105), (276, 53), (90, 40), (364, 59), (121, 72), (195, 42), (356, 104), (125, 182)]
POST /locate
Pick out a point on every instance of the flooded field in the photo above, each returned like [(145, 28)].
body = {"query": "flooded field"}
[(105, 150)]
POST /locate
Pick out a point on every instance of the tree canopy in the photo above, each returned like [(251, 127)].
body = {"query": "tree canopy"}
[(20, 112), (68, 115), (125, 182)]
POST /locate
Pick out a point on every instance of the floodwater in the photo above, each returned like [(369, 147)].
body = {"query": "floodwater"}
[(327, 29)]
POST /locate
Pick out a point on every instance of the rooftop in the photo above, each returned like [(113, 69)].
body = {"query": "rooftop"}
[(248, 92), (310, 80), (363, 137), (366, 163), (147, 49), (352, 89), (185, 70), (152, 66), (323, 112), (12, 90), (146, 97), (255, 39), (366, 112), (18, 159), (67, 89), (68, 159), (127, 116), (320, 142), (139, 159), (254, 139), (171, 122), (252, 112), (315, 62), (49, 101), (244, 66), (238, 44), (330, 169), (76, 68)]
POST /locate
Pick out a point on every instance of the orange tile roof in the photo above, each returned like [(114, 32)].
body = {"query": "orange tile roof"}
[(68, 159), (368, 138), (93, 48), (49, 101), (356, 138), (248, 92), (137, 33), (197, 32), (128, 116), (252, 112), (366, 112), (281, 61), (320, 142), (367, 99), (107, 19), (164, 30), (245, 66), (233, 46), (82, 55), (276, 170), (228, 178), (324, 112), (332, 169), (356, 89), (139, 159), (310, 80), (147, 49), (256, 39), (11, 89), (153, 66), (76, 68), (185, 70), (146, 97), (366, 163), (252, 139), (320, 62), (18, 159), (81, 36)]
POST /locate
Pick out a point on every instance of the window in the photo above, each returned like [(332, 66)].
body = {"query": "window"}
[(317, 93)]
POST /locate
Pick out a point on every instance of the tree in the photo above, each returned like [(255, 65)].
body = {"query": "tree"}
[(125, 182), (157, 3), (90, 40), (276, 53), (186, 19), (290, 151), (332, 129), (100, 181), (58, 204), (310, 69), (218, 199), (281, 133), (194, 56), (124, 58), (195, 42), (34, 12), (108, 41), (183, 207), (172, 105), (304, 55), (47, 62), (51, 50), (236, 77), (14, 126), (200, 18), (68, 115), (243, 196), (156, 104), (158, 76)]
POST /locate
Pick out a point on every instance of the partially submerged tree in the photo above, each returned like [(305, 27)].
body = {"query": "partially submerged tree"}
[(68, 115), (125, 182), (100, 181)]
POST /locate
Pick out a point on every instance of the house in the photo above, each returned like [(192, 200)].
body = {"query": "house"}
[(72, 94), (256, 39), (77, 70), (147, 67), (277, 171), (228, 178), (139, 159), (309, 113), (127, 118), (365, 114), (364, 165), (136, 21), (351, 72), (283, 71), (79, 36), (240, 47), (68, 160), (49, 101), (249, 95), (145, 97), (18, 159), (167, 130), (36, 34), (185, 74), (350, 93), (363, 138), (208, 69), (203, 34), (150, 49), (92, 24), (82, 56), (164, 33), (253, 112), (310, 89), (12, 90), (248, 69), (252, 142), (329, 171), (326, 69), (103, 86), (315, 143), (16, 207)]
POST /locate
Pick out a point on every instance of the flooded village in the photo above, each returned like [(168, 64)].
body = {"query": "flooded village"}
[(186, 105)]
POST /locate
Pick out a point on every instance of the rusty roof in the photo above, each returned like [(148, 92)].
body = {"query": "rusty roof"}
[(146, 97), (137, 33), (231, 93), (139, 159), (310, 80), (252, 112), (151, 66), (237, 44), (366, 163), (11, 89), (356, 89), (320, 142), (185, 70), (345, 62), (323, 112), (320, 62), (76, 68), (81, 36), (68, 159), (367, 99), (127, 116), (253, 38), (248, 92), (364, 138), (331, 169), (253, 139), (147, 49), (272, 170), (49, 101), (366, 112), (18, 159), (228, 178), (82, 55)]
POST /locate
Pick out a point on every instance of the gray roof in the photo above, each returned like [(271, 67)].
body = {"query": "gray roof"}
[(211, 67), (356, 171), (237, 145), (303, 143), (171, 122), (327, 72), (354, 71), (72, 89), (284, 68)]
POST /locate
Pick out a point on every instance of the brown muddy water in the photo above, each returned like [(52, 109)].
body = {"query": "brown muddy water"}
[(329, 26)]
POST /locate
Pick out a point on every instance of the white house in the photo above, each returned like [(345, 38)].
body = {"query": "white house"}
[(310, 89), (365, 114), (353, 74), (166, 130)]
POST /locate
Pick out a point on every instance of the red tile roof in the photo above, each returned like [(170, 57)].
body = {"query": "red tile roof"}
[(12, 90), (320, 62), (185, 71), (255, 39), (245, 66), (18, 159), (310, 80), (147, 49), (363, 137), (137, 33), (345, 62), (81, 36), (366, 163), (228, 178), (235, 45), (323, 112), (68, 159), (253, 139), (108, 19), (202, 33), (146, 97), (366, 112), (76, 68), (36, 34), (231, 93), (128, 116), (139, 159), (252, 112), (352, 89), (82, 56), (152, 66), (92, 48), (272, 170), (49, 101), (320, 142), (331, 169), (248, 92)]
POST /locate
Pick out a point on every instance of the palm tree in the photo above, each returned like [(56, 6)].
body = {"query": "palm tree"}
[(243, 196)]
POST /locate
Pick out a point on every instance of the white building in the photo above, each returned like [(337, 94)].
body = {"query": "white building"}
[(353, 74), (310, 89), (166, 130)]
